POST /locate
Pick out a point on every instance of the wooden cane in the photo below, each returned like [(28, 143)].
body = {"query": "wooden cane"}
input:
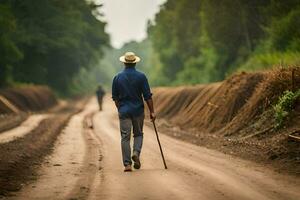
[(162, 154)]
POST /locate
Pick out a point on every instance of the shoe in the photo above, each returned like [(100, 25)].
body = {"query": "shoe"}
[(127, 168), (136, 160)]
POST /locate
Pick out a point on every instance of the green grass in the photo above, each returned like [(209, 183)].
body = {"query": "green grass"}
[(271, 60), (284, 106)]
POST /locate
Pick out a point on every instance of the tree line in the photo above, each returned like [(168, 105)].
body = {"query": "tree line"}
[(49, 42), (62, 43), (199, 41)]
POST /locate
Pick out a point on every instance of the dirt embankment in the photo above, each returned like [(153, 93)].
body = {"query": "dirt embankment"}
[(235, 116), (16, 103), (29, 98)]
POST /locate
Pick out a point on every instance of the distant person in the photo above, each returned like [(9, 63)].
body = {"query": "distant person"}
[(129, 88), (100, 94)]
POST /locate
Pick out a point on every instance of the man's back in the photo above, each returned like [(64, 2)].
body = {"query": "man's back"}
[(129, 88)]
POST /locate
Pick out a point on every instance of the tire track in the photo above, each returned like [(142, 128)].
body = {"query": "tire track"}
[(90, 178), (67, 172), (26, 127)]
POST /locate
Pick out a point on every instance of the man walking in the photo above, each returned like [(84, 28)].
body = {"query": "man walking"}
[(129, 88), (100, 94)]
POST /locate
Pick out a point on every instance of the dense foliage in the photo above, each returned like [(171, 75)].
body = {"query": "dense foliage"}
[(49, 41), (87, 80), (62, 44), (205, 40)]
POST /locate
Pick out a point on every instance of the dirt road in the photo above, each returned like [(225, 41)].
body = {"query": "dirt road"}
[(86, 164)]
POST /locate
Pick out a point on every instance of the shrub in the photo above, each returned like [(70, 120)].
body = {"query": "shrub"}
[(284, 106)]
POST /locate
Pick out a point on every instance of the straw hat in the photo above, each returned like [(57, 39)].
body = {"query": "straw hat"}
[(130, 57)]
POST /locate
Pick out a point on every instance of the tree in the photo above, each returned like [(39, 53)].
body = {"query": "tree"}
[(57, 39), (9, 52)]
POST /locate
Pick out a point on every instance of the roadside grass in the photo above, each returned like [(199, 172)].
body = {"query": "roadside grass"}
[(271, 60), (284, 106)]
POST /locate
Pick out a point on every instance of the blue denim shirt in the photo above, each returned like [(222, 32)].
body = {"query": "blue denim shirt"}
[(129, 87)]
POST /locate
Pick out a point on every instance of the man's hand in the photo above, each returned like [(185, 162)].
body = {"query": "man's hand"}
[(152, 117), (151, 110)]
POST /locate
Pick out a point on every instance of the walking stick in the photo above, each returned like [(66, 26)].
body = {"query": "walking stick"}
[(162, 154)]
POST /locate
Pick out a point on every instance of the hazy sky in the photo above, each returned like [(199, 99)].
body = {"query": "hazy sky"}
[(127, 19)]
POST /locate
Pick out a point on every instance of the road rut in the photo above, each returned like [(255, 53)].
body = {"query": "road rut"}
[(26, 127)]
